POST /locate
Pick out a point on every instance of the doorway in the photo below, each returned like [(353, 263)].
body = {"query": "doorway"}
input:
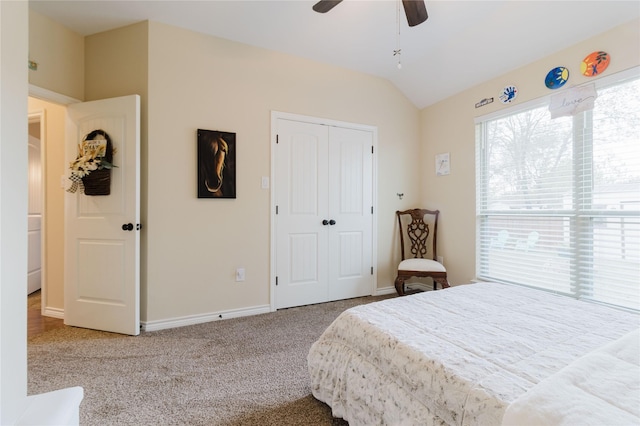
[(56, 109), (49, 110)]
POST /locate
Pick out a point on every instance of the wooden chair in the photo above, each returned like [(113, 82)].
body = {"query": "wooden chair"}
[(418, 237)]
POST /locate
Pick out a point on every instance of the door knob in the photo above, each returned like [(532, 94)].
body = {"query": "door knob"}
[(332, 222), (325, 222), (127, 227)]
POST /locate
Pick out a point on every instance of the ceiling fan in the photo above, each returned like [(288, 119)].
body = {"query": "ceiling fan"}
[(415, 10)]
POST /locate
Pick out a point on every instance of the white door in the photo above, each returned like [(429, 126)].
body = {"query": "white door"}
[(351, 213), (102, 238), (301, 172), (323, 184), (34, 219), (34, 259)]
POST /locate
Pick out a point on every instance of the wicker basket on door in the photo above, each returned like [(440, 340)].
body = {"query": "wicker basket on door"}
[(98, 182)]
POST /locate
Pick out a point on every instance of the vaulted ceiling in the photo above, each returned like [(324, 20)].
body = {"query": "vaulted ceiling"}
[(463, 43)]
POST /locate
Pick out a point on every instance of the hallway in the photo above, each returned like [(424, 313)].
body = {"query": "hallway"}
[(36, 323)]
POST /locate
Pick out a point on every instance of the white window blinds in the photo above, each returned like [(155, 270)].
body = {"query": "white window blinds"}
[(558, 200)]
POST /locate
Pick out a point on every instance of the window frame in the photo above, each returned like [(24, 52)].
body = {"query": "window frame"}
[(577, 215)]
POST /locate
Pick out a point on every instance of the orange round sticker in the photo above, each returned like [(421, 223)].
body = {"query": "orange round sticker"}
[(595, 63)]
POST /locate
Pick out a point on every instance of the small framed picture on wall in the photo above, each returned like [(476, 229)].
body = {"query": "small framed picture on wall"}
[(216, 164), (442, 164)]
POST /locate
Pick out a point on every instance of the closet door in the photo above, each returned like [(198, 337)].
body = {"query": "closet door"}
[(301, 173), (350, 207), (323, 194)]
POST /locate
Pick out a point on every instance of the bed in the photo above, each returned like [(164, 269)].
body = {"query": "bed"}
[(467, 354)]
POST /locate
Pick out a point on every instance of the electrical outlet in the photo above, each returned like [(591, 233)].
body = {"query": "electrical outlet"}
[(441, 260), (240, 274)]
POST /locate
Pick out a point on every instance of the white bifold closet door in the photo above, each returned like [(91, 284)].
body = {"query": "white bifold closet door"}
[(324, 220)]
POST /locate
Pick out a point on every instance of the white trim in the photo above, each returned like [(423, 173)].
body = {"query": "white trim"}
[(277, 115), (385, 290), (53, 312), (202, 318), (272, 215), (48, 95)]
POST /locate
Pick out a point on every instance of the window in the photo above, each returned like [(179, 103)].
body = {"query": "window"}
[(558, 200)]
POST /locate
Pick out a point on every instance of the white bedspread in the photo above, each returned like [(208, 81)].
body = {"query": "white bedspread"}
[(601, 388), (458, 356)]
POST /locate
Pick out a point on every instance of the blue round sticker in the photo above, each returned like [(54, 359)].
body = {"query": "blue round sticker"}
[(556, 78)]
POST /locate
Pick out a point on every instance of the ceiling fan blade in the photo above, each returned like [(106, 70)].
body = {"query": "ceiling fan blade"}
[(416, 11), (323, 6)]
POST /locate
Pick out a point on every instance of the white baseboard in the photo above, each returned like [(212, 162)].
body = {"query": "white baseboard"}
[(53, 312), (199, 319), (385, 290), (202, 318)]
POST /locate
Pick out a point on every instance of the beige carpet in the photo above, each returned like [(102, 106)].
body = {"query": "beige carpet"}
[(243, 371)]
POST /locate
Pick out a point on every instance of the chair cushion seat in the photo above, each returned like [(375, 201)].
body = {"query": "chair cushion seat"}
[(423, 265)]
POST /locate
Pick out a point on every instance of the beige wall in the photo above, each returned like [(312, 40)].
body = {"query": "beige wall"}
[(191, 246), (448, 126), (59, 53), (54, 168), (197, 81), (116, 63)]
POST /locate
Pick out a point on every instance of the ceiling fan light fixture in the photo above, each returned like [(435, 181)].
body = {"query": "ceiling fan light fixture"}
[(415, 10), (398, 53)]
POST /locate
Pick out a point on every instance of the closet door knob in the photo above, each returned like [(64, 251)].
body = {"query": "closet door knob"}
[(325, 222), (332, 222), (127, 227)]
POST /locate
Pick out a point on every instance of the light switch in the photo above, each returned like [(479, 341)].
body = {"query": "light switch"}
[(265, 182), (240, 274)]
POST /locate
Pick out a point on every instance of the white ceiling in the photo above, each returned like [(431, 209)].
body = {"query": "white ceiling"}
[(463, 43)]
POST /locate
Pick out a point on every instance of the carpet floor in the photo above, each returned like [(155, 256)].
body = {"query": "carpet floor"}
[(241, 371)]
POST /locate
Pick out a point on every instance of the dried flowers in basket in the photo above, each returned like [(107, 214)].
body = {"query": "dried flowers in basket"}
[(91, 170)]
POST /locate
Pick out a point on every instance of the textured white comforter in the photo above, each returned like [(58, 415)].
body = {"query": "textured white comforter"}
[(600, 388), (457, 356)]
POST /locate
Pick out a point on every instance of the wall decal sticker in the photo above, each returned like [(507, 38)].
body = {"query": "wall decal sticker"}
[(508, 94), (556, 78), (485, 101), (595, 63)]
